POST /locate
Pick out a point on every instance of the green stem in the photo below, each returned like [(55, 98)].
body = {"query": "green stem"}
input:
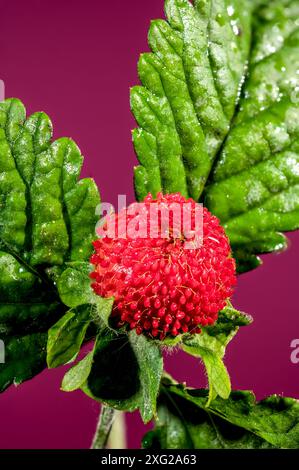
[(104, 426)]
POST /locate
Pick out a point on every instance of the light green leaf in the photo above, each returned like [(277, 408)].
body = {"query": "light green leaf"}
[(223, 331), (67, 335), (103, 310), (150, 364), (74, 285), (210, 346), (219, 381), (78, 374)]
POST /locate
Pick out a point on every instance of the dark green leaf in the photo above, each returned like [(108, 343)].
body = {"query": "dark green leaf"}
[(126, 373), (191, 82), (114, 377), (25, 298), (201, 119), (255, 182), (25, 356), (47, 219), (185, 425), (274, 419), (67, 335), (245, 257)]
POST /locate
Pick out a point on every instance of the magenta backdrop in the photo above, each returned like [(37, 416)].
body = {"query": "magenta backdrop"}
[(76, 60)]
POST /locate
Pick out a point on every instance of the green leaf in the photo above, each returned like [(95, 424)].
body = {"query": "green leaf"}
[(150, 364), (114, 377), (67, 335), (210, 346), (126, 373), (25, 298), (238, 422), (255, 182), (74, 285), (219, 381), (78, 374), (47, 219), (25, 356), (223, 331), (191, 82), (211, 131), (103, 310), (185, 425)]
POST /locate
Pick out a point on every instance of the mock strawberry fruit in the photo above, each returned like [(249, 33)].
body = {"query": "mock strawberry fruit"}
[(165, 280)]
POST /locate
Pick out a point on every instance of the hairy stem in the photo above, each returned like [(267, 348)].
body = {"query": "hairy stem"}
[(111, 430), (104, 426)]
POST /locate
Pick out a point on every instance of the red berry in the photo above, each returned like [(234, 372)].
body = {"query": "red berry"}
[(180, 315), (168, 319), (161, 312), (160, 287), (164, 290), (188, 292), (189, 307)]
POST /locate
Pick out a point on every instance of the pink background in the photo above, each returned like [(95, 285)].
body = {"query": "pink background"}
[(76, 61)]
